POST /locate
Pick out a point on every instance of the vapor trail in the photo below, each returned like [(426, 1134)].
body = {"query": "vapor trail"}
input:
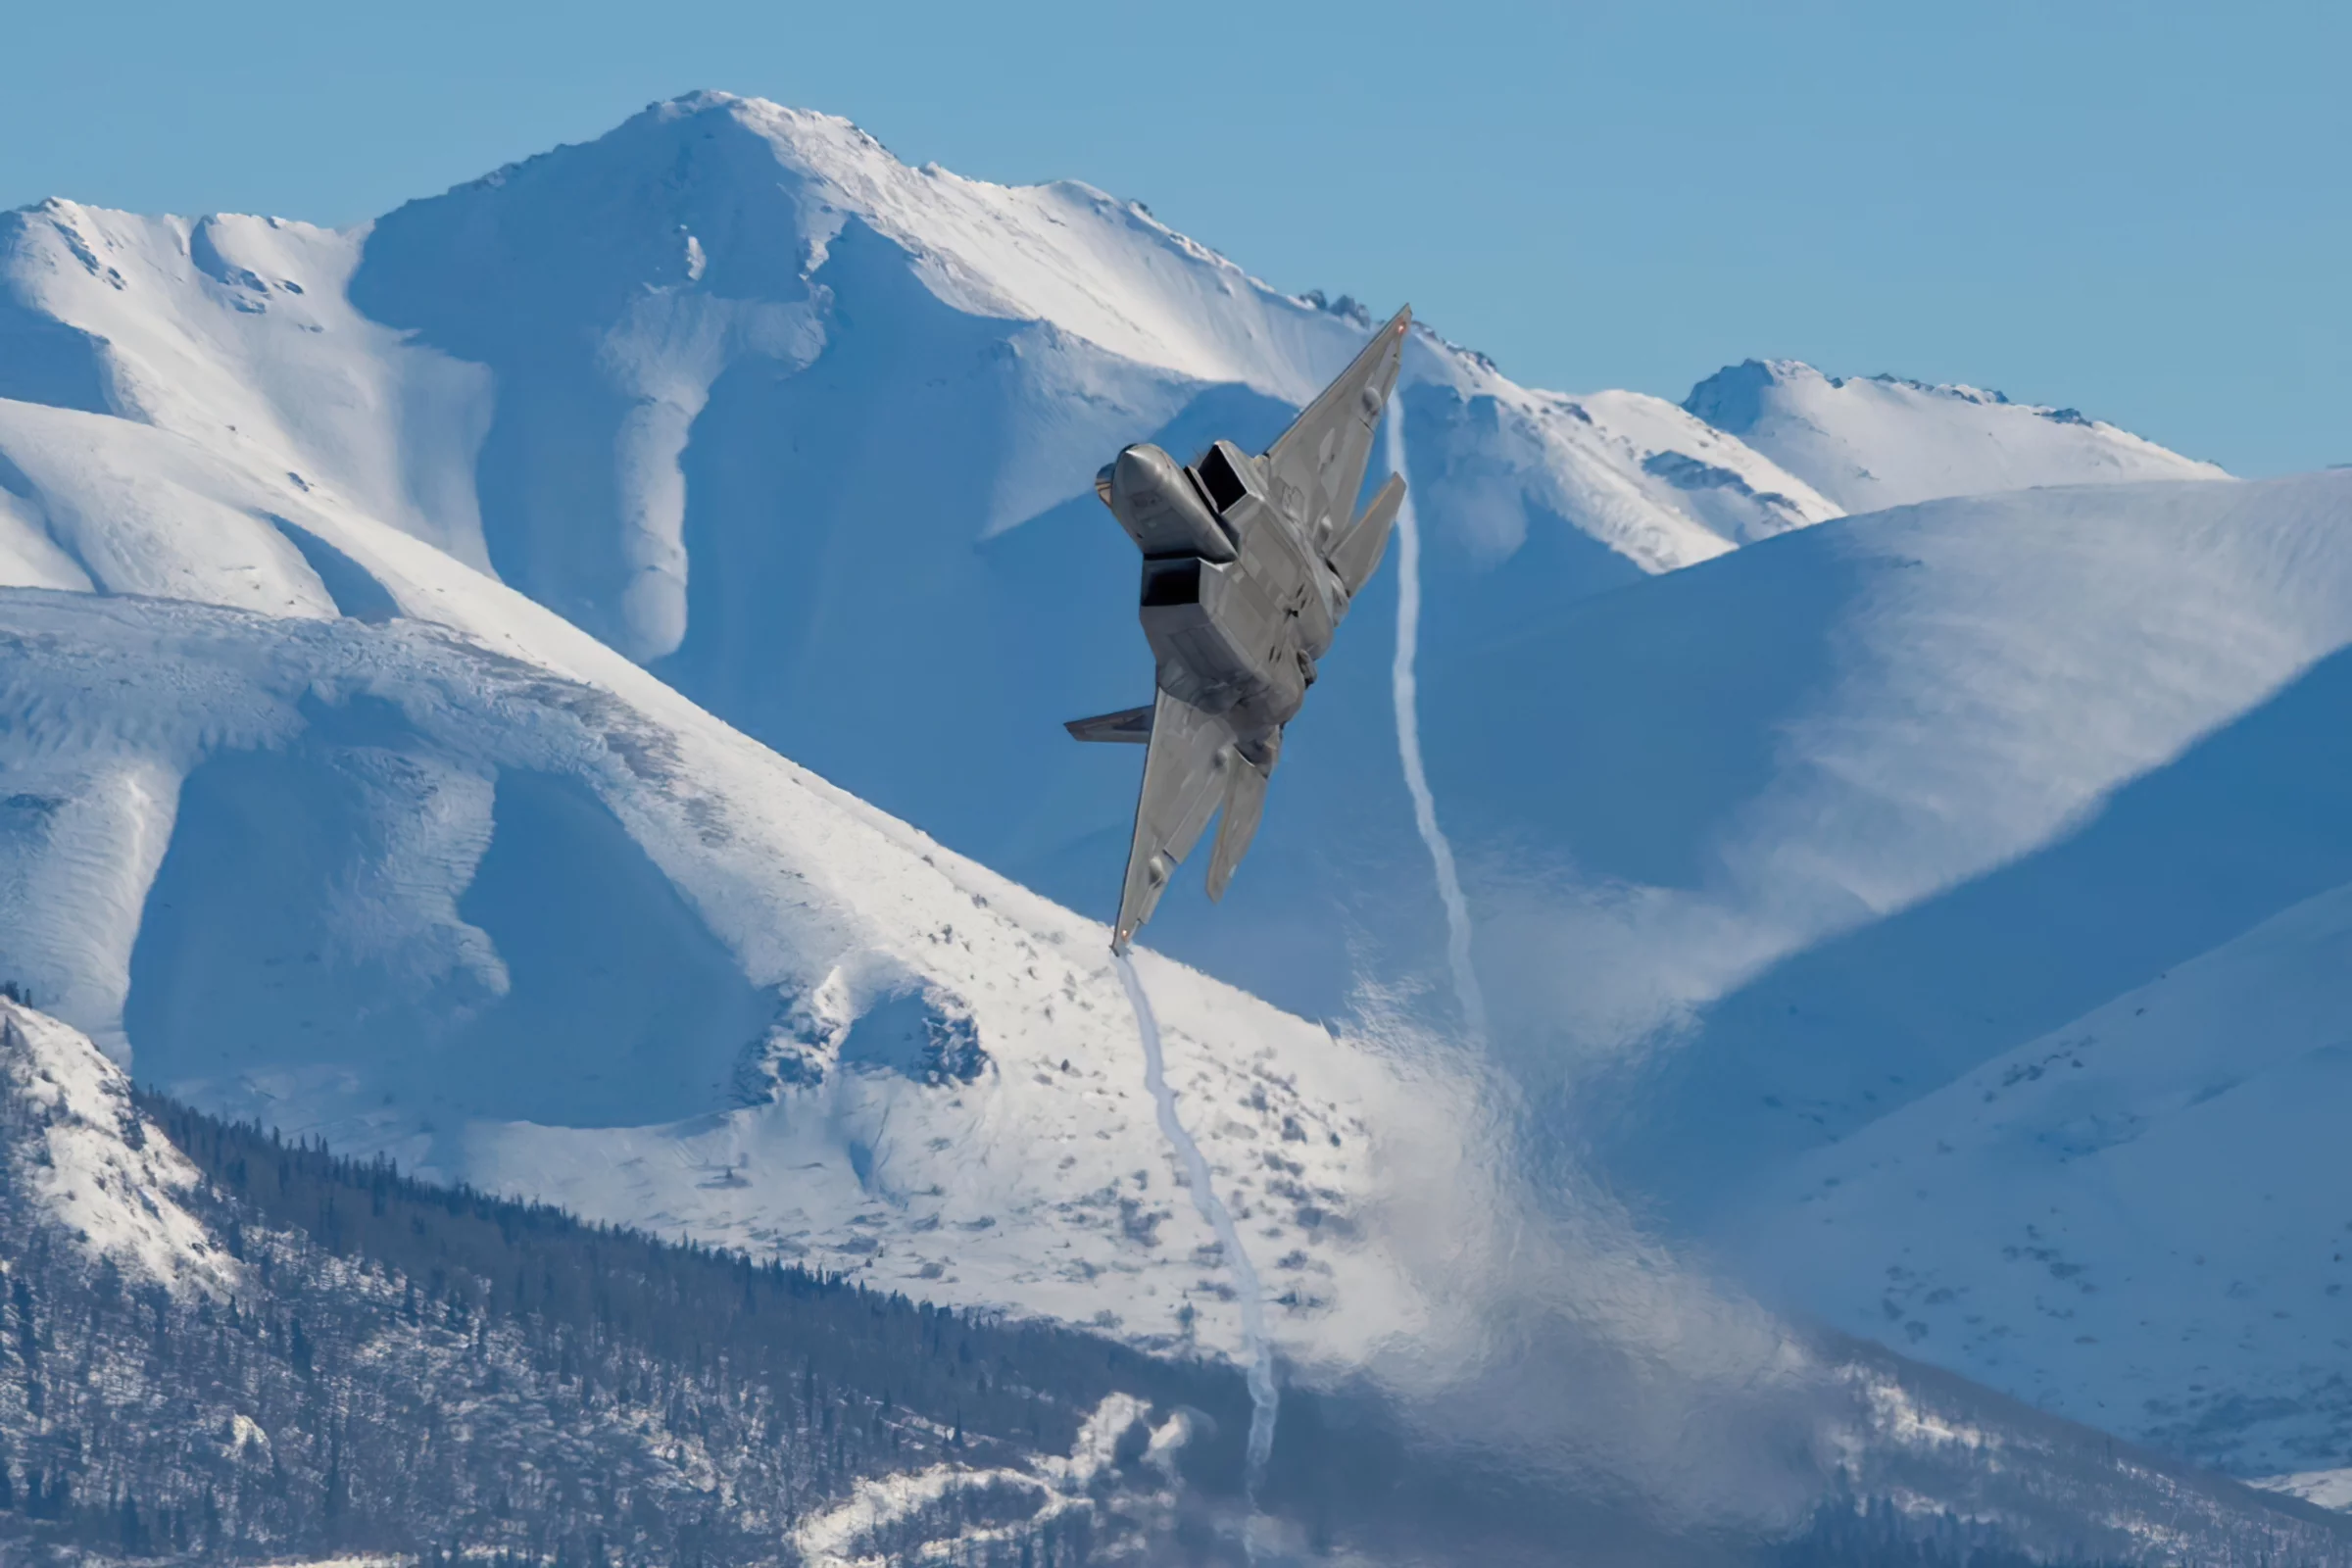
[(1265, 1397), (1408, 740)]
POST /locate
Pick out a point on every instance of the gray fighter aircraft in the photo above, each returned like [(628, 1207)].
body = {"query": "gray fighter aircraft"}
[(1248, 566)]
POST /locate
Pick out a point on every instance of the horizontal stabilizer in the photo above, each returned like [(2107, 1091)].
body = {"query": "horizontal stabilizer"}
[(1132, 725), (1356, 555)]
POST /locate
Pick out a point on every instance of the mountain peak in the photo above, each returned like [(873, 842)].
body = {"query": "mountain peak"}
[(1732, 400), (823, 140), (1876, 441)]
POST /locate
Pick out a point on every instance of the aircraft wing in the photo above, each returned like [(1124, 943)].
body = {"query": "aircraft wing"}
[(1186, 773), (1130, 724), (1316, 468)]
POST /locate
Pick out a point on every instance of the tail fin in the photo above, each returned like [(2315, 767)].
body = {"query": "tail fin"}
[(1132, 725), (1355, 555), (1245, 804), (1317, 465)]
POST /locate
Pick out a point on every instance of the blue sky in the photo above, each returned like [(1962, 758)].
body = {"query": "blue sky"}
[(2144, 210)]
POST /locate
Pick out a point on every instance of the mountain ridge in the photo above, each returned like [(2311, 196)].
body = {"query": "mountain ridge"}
[(1833, 430)]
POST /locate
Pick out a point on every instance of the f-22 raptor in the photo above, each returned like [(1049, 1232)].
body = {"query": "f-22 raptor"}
[(1250, 564)]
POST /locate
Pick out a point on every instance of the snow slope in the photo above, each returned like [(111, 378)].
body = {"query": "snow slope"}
[(236, 333), (478, 891), (1809, 834), (130, 1418), (85, 1161), (1741, 761), (1869, 442), (2330, 1489), (2154, 1189)]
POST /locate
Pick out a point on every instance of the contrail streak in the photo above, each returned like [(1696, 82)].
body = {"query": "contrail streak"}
[(1408, 740), (1265, 1399)]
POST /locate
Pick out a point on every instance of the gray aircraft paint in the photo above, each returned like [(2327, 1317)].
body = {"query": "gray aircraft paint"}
[(1250, 566)]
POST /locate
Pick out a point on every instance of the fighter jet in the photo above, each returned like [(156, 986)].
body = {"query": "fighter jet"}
[(1250, 564)]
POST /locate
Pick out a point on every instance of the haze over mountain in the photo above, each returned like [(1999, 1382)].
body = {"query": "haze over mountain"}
[(401, 620), (1940, 782)]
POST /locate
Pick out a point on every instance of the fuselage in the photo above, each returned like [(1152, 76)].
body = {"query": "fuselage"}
[(1237, 602), (1248, 567)]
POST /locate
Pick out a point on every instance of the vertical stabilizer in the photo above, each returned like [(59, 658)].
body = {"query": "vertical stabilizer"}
[(1245, 804), (1355, 555)]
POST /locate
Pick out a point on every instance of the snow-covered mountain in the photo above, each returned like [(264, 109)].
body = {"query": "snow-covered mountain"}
[(275, 1351), (1871, 442), (597, 299), (2139, 1219), (810, 432), (544, 925), (81, 1162), (1938, 786), (326, 803)]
